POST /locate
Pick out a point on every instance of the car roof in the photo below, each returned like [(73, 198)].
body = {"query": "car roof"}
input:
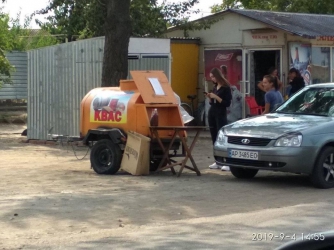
[(322, 85)]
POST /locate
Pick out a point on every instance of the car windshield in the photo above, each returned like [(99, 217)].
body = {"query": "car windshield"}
[(310, 101)]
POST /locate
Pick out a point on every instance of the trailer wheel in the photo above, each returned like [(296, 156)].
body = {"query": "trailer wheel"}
[(106, 157), (154, 164)]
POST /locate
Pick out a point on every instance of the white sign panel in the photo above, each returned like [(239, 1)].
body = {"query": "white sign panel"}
[(255, 38), (156, 86)]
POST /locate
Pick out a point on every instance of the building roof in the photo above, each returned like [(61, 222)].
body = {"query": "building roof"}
[(186, 40), (300, 24)]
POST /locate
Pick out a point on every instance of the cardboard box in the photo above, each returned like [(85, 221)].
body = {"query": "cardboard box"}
[(136, 156)]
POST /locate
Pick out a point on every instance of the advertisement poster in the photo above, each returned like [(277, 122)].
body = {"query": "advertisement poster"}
[(300, 58), (110, 106), (320, 64), (228, 61)]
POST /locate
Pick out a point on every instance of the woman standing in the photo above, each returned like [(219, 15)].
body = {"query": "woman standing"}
[(220, 99), (273, 97)]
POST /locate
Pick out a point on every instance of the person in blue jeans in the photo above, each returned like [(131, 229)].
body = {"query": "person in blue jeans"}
[(273, 98), (220, 99)]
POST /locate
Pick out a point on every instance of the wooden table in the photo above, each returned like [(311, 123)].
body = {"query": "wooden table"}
[(178, 131)]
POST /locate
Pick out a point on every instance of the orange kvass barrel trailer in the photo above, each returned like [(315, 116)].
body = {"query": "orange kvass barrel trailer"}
[(107, 114)]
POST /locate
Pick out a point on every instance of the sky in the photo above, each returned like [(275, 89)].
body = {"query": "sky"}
[(27, 7)]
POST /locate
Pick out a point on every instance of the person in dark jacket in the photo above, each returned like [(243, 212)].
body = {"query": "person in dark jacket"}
[(296, 81), (220, 99)]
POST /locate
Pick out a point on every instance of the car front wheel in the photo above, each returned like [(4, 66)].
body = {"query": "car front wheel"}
[(323, 171), (243, 173)]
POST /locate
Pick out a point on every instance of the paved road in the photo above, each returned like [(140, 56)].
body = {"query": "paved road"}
[(261, 229), (62, 204)]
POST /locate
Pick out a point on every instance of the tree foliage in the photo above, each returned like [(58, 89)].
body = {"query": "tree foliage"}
[(147, 18), (86, 18), (301, 6), (117, 21), (24, 38), (17, 37), (5, 44), (177, 14), (67, 20)]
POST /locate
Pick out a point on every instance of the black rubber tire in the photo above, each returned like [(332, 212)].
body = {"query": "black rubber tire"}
[(320, 173), (106, 157), (154, 164), (243, 173)]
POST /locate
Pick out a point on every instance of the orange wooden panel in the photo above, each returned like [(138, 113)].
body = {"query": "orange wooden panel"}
[(146, 90), (126, 85)]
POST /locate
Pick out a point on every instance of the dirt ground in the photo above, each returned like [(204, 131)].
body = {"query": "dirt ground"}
[(51, 200)]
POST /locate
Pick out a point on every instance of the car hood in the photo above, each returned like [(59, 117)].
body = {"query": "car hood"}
[(274, 125)]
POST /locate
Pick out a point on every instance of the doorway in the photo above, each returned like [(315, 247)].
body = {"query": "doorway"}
[(260, 63)]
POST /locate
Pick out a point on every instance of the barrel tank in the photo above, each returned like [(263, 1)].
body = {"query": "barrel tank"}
[(130, 106)]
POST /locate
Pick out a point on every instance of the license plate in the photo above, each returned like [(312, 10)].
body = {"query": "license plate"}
[(243, 154)]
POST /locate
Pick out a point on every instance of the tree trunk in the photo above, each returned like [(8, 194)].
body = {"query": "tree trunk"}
[(117, 36)]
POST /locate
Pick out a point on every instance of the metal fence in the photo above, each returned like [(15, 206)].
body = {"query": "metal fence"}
[(18, 88), (60, 76)]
